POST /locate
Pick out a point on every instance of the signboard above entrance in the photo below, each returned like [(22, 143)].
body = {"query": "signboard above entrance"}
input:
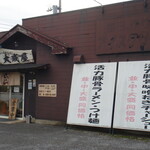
[(8, 56)]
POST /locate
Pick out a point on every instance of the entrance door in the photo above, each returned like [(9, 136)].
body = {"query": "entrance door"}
[(12, 92)]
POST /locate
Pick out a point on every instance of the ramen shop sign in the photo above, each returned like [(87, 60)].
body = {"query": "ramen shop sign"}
[(8, 56)]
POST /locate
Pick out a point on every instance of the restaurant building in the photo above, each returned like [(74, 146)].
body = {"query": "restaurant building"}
[(37, 58)]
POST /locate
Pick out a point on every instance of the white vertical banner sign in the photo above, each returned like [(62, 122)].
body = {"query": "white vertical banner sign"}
[(132, 107), (92, 92)]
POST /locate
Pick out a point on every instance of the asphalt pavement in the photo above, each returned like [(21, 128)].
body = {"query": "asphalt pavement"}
[(23, 136)]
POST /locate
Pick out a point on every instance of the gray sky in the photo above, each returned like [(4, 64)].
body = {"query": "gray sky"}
[(13, 11)]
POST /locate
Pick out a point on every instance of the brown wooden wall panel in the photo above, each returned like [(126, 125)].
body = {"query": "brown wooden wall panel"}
[(121, 33), (122, 28), (60, 73)]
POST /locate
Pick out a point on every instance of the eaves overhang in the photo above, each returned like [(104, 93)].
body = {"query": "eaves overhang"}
[(56, 46), (23, 67)]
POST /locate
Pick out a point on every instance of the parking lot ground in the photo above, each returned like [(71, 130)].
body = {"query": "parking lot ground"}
[(23, 136)]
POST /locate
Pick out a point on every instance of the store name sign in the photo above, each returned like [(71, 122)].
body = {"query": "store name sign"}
[(8, 56)]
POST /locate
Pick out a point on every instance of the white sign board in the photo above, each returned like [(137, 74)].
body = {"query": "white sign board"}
[(92, 92), (47, 90), (8, 56), (132, 107)]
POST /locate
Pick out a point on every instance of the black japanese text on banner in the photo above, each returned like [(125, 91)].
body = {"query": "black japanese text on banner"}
[(8, 56), (132, 107), (92, 92)]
